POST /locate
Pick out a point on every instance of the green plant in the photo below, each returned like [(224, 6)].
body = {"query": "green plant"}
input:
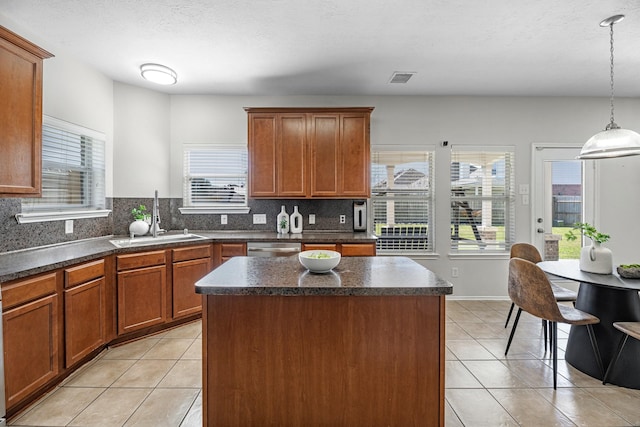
[(587, 230), (283, 224), (139, 212)]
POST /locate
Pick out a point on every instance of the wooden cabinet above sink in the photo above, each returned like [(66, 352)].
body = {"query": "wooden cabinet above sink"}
[(309, 152)]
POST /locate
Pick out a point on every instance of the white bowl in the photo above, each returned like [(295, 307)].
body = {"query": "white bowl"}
[(319, 261)]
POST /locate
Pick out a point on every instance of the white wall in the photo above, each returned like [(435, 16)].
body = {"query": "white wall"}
[(141, 142)]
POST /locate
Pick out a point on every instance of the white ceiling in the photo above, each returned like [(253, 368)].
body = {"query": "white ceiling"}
[(348, 47)]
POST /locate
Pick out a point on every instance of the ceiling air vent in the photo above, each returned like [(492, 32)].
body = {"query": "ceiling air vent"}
[(401, 76)]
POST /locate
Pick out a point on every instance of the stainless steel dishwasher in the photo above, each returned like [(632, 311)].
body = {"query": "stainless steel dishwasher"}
[(273, 249)]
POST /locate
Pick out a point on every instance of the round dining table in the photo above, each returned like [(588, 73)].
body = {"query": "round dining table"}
[(612, 299)]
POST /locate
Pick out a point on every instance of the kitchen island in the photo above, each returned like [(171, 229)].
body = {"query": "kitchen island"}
[(360, 345)]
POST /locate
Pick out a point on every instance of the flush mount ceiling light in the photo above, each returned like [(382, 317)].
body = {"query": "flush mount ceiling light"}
[(159, 74), (613, 141)]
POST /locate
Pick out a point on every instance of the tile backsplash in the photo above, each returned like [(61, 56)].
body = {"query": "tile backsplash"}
[(21, 236)]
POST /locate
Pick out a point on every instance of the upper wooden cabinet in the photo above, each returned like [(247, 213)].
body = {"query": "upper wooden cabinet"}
[(309, 152), (20, 116), (278, 154)]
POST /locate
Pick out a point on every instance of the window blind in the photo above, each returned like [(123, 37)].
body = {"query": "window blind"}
[(215, 177), (73, 169), (402, 201), (482, 199)]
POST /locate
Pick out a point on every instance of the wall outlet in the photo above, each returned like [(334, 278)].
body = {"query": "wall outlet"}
[(259, 218), (343, 219), (223, 219), (68, 226), (312, 218), (454, 272)]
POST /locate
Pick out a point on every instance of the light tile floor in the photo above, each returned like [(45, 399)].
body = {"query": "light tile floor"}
[(157, 381)]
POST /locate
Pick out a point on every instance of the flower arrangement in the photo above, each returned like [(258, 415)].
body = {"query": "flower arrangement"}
[(587, 230), (139, 213)]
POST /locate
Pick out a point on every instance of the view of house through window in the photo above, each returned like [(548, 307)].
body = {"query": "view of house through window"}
[(73, 169), (402, 201), (482, 199), (215, 176)]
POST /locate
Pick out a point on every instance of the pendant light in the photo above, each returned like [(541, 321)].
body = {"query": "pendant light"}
[(613, 141)]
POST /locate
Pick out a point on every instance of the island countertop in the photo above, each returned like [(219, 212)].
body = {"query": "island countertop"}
[(353, 276)]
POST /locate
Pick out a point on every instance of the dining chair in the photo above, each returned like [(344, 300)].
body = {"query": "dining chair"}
[(628, 329), (530, 290), (531, 253)]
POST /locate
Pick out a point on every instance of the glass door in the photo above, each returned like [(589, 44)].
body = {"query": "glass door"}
[(562, 195)]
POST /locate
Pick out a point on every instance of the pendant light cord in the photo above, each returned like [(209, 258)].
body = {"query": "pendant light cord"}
[(612, 124)]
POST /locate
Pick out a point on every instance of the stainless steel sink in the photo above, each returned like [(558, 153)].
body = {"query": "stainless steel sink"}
[(150, 240)]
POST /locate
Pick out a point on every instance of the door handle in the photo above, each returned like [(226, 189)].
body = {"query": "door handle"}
[(540, 230)]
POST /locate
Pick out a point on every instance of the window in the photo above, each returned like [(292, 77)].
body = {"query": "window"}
[(402, 200), (73, 174), (215, 179), (482, 199)]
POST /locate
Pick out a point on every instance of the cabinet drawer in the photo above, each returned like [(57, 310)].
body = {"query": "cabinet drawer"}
[(83, 273), (145, 259), (23, 291), (234, 249), (193, 252), (358, 249), (320, 246)]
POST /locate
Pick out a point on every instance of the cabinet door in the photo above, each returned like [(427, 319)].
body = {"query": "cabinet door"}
[(355, 155), (20, 115), (142, 296), (325, 151), (262, 155), (185, 274), (292, 155), (340, 155), (30, 347), (84, 311)]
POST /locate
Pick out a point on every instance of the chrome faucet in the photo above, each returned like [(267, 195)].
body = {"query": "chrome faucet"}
[(155, 216)]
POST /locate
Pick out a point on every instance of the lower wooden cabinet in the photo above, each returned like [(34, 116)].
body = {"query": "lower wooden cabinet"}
[(225, 251), (345, 249), (142, 290), (189, 265), (31, 327), (84, 310)]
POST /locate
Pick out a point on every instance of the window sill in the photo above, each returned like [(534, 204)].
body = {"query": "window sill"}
[(479, 255), (27, 218), (214, 210)]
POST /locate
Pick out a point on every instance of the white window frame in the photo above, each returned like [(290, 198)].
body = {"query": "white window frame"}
[(413, 239), (487, 245), (93, 204), (188, 174)]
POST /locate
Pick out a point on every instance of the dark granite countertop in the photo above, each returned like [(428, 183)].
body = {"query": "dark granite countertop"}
[(24, 263), (353, 276)]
